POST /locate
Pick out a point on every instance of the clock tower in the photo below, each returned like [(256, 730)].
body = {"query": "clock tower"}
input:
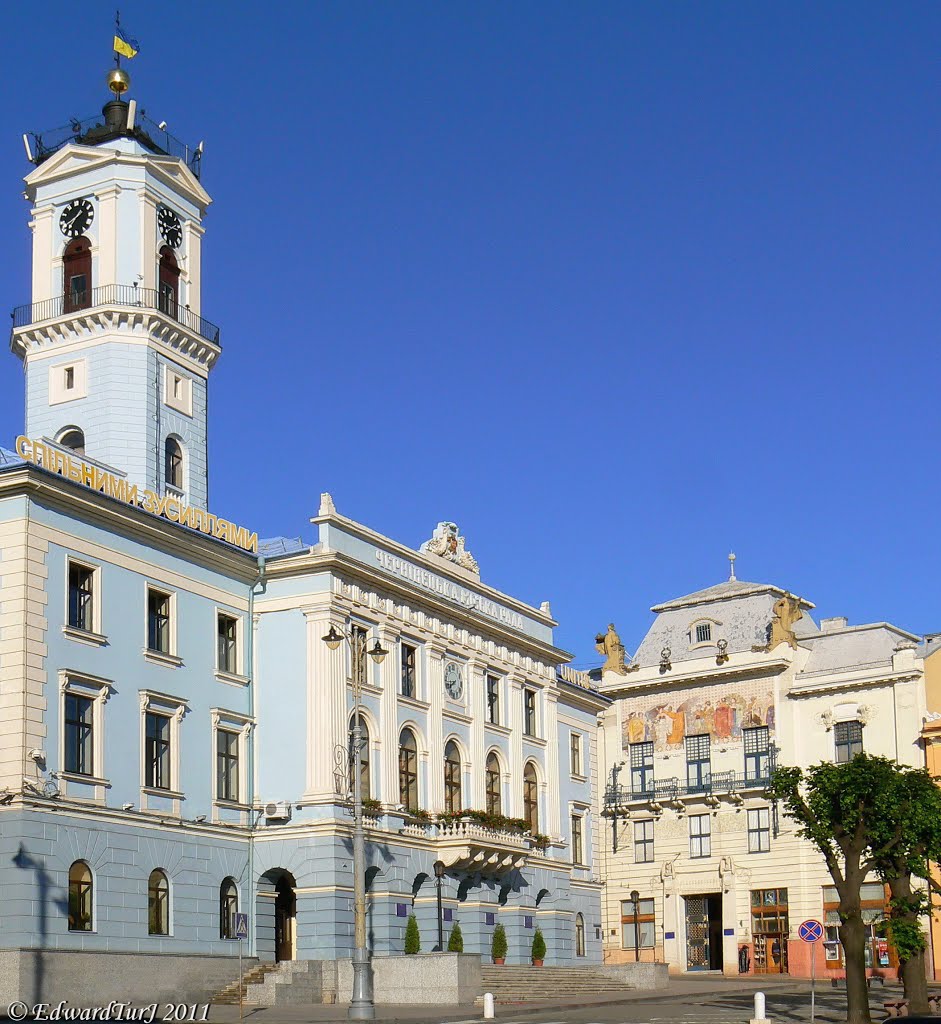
[(116, 351)]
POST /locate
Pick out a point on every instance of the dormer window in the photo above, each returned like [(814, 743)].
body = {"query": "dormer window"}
[(704, 633)]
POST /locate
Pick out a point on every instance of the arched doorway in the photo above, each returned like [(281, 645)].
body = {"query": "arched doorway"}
[(168, 273), (76, 275), (285, 920)]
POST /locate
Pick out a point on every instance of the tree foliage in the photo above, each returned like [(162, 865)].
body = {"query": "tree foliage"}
[(498, 945), (539, 946), (456, 940), (412, 935)]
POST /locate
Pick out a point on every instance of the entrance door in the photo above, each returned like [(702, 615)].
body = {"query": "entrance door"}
[(771, 953), (285, 911), (704, 932)]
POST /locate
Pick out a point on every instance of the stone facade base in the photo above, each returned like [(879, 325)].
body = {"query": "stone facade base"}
[(638, 975), (442, 978), (96, 978)]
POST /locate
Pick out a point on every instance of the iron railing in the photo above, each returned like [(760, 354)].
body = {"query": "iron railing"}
[(115, 295), (665, 790), (93, 130)]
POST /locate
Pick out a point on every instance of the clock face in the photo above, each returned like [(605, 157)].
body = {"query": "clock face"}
[(453, 680), (76, 218), (170, 227)]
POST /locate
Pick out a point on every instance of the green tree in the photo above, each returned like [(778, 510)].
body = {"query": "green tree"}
[(456, 940), (498, 945), (539, 946), (412, 935), (835, 807), (903, 840)]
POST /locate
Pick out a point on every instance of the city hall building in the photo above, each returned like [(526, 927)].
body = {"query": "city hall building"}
[(702, 868), (174, 716)]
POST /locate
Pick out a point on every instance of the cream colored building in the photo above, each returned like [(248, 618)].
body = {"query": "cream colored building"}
[(726, 683)]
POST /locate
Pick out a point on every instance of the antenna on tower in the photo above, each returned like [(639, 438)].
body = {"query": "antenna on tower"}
[(731, 567)]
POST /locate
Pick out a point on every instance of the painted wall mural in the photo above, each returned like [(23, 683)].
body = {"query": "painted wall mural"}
[(722, 712)]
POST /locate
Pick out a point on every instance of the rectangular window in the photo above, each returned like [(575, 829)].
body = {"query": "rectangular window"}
[(642, 769), (227, 643), (698, 765), (227, 765), (78, 291), (69, 381), (359, 637), (638, 931), (700, 835), (575, 753), (529, 711), (578, 852), (407, 683), (759, 830), (81, 597), (703, 633), (79, 734), (643, 841), (757, 749), (158, 621), (848, 739), (490, 918), (156, 751), (493, 700)]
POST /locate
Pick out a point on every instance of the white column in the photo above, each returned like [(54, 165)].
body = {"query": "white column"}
[(388, 761), (326, 703), (194, 243), (107, 237), (148, 238), (434, 653), (552, 784), (514, 719), (477, 709)]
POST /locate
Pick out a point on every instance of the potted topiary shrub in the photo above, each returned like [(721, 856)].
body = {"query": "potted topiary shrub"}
[(456, 940), (412, 935), (498, 945), (539, 949)]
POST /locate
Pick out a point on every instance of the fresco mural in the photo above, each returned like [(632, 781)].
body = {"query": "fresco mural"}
[(721, 711)]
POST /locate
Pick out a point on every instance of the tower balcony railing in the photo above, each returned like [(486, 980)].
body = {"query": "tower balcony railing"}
[(115, 295), (667, 791)]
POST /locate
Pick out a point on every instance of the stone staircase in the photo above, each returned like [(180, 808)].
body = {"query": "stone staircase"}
[(289, 983), (519, 983)]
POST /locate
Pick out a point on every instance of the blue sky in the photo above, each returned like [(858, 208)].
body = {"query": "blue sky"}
[(616, 287)]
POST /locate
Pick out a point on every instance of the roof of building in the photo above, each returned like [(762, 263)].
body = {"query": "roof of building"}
[(271, 547), (722, 592), (834, 650), (8, 458)]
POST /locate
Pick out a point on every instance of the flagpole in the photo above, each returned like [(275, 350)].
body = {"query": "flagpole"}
[(117, 30)]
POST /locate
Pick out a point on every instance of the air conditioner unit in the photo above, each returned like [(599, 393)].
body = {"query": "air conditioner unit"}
[(278, 811)]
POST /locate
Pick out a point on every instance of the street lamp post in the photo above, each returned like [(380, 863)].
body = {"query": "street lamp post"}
[(635, 899), (439, 874), (361, 1006)]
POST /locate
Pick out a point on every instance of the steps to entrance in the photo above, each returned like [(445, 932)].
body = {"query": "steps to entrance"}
[(229, 996), (519, 983)]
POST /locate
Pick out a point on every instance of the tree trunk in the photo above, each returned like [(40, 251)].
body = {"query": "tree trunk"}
[(912, 969), (853, 937)]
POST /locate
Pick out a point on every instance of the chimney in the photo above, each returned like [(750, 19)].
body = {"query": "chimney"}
[(832, 625)]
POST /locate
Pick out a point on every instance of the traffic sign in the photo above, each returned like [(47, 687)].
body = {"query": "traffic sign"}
[(241, 926), (811, 931)]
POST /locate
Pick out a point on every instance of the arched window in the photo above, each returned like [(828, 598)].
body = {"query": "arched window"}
[(408, 770), (168, 282), (173, 463), (363, 755), (73, 438), (228, 908), (579, 935), (530, 797), (76, 275), (80, 897), (492, 778), (452, 778), (158, 903)]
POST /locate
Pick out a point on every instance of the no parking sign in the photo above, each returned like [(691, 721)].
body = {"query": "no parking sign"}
[(811, 931)]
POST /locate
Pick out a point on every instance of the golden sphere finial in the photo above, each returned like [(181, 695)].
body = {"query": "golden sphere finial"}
[(119, 81)]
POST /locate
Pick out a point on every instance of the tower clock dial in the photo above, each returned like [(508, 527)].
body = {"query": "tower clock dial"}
[(453, 680), (170, 227), (76, 218)]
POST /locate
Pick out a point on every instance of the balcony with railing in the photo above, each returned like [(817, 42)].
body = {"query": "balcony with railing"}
[(121, 295), (713, 786), (467, 844)]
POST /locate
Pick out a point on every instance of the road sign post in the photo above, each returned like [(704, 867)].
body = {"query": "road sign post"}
[(811, 932), (241, 932)]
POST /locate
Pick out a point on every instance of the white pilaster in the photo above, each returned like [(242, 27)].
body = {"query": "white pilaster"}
[(387, 789), (107, 236), (476, 708), (326, 703), (435, 789), (551, 784), (514, 719)]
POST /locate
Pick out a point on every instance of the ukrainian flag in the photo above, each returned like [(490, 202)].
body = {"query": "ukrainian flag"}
[(125, 45)]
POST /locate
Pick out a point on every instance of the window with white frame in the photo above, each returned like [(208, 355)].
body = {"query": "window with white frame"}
[(847, 740), (161, 715), (160, 625), (408, 680), (643, 841), (700, 835), (493, 700), (82, 736), (231, 731), (759, 830), (227, 651), (178, 390), (67, 383), (757, 743), (529, 711), (575, 754), (578, 843), (82, 609)]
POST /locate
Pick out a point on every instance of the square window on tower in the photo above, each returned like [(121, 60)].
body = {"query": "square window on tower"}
[(67, 383), (177, 391)]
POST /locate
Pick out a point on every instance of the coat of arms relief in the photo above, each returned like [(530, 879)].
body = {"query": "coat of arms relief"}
[(447, 543)]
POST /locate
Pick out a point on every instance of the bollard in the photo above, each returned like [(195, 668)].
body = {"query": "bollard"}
[(488, 1006), (759, 1017)]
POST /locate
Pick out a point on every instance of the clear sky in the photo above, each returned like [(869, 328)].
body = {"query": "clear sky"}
[(615, 287)]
